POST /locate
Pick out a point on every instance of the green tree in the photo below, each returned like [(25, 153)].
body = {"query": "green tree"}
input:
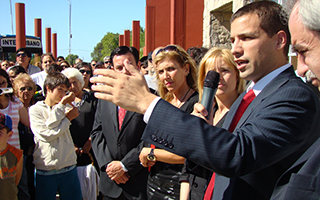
[(71, 58), (104, 48)]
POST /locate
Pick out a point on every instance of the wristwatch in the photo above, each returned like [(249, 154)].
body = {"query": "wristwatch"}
[(151, 156)]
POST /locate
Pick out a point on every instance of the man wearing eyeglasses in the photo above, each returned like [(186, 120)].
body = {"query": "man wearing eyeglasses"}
[(93, 64), (23, 57), (107, 61)]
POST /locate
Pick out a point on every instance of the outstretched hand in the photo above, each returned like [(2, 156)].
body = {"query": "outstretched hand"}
[(127, 91)]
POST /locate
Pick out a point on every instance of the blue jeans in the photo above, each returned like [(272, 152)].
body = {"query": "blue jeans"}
[(66, 183)]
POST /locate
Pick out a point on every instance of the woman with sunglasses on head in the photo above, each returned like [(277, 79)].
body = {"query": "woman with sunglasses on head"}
[(195, 178), (86, 71), (24, 88), (177, 82)]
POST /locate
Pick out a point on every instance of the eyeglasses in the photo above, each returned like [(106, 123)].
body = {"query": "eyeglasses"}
[(107, 62), (29, 88), (171, 48), (93, 65), (85, 71), (21, 54)]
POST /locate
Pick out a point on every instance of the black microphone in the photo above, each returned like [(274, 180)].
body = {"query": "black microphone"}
[(210, 87)]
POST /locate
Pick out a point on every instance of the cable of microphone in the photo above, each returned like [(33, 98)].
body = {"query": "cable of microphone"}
[(210, 87)]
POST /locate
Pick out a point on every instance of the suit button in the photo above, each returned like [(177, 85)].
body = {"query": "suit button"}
[(195, 185), (154, 138), (170, 145), (118, 143), (160, 140)]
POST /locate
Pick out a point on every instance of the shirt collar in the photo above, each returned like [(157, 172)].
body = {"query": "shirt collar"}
[(263, 82)]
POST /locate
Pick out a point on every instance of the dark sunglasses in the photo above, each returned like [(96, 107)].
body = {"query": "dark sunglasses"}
[(171, 48), (108, 62), (145, 66), (21, 54), (29, 88), (85, 71), (93, 64)]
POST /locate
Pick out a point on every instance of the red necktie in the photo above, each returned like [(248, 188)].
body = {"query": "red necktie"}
[(247, 99), (121, 114)]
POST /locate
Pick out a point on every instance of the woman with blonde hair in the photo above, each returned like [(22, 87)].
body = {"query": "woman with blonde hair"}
[(177, 83), (229, 88)]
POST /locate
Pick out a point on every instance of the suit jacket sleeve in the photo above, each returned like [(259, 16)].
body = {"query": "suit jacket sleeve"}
[(99, 143), (280, 122), (131, 160)]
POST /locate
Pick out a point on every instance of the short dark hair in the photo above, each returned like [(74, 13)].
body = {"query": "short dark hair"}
[(273, 18), (144, 61), (54, 79), (60, 57), (124, 50), (9, 84), (25, 50), (55, 68)]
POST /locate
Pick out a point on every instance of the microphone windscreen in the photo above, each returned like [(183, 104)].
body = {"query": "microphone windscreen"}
[(212, 79)]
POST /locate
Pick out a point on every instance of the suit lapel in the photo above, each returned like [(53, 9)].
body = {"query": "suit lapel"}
[(113, 109), (276, 83)]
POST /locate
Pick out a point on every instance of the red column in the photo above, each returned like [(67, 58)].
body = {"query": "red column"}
[(136, 34), (37, 33), (121, 40), (177, 22), (127, 38), (20, 26), (48, 40), (150, 30), (37, 27), (54, 45)]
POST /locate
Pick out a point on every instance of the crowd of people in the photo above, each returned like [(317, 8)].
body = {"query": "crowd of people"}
[(134, 128)]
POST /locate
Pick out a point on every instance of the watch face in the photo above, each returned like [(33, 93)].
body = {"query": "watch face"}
[(151, 157)]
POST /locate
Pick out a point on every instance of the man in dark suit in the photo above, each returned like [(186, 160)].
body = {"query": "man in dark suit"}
[(117, 148), (304, 174), (277, 127)]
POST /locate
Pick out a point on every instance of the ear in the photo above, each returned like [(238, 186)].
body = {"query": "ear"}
[(10, 134), (47, 87), (139, 66), (187, 69), (281, 40)]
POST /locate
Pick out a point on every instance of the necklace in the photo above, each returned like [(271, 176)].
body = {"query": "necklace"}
[(181, 102)]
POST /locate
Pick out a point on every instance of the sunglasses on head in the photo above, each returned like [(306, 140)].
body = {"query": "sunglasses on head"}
[(29, 88), (85, 71), (171, 48), (21, 54)]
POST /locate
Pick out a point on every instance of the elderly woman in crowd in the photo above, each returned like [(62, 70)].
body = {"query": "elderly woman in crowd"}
[(86, 71), (230, 87), (81, 127), (24, 88), (177, 82)]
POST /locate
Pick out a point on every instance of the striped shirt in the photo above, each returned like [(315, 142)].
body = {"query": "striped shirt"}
[(13, 111)]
